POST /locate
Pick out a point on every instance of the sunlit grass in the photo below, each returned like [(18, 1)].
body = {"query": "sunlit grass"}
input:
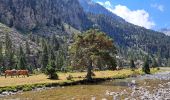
[(41, 78)]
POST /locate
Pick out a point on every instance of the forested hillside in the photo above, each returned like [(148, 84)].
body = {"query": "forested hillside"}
[(64, 17), (132, 41)]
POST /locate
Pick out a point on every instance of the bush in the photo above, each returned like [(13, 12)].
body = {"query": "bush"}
[(70, 77), (54, 76)]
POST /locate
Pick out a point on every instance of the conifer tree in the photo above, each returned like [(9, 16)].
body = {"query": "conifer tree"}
[(1, 55), (132, 64), (27, 46), (146, 68), (22, 64), (9, 53), (51, 67), (45, 56), (54, 43)]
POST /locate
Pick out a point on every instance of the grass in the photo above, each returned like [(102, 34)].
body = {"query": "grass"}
[(41, 80)]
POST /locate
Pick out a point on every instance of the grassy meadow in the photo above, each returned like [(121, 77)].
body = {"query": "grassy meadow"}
[(77, 76)]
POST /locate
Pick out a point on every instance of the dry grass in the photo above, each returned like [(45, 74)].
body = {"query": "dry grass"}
[(41, 78)]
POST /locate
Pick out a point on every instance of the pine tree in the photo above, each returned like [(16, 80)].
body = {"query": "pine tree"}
[(132, 65), (9, 52), (51, 70), (146, 68), (11, 60), (45, 56), (54, 43), (51, 67), (168, 62), (22, 64), (1, 55), (8, 44), (27, 46)]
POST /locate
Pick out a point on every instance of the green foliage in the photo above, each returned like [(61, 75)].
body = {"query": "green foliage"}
[(132, 65), (55, 43), (51, 70), (168, 62), (9, 53), (45, 56), (90, 46), (27, 48), (146, 68), (22, 63), (1, 55)]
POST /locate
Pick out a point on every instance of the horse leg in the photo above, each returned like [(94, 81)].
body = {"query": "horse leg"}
[(5, 75)]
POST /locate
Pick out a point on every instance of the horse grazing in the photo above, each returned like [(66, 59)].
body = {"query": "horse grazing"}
[(10, 73), (23, 72), (16, 73)]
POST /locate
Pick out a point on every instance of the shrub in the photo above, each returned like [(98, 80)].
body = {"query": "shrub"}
[(70, 77)]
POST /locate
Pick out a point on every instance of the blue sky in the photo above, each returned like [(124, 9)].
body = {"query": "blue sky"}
[(151, 14)]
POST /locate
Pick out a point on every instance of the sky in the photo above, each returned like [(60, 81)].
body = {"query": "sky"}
[(151, 14)]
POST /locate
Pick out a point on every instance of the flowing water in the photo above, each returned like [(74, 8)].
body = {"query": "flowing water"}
[(148, 87)]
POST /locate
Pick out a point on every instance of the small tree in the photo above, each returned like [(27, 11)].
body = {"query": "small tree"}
[(146, 68), (132, 65), (51, 70), (51, 67)]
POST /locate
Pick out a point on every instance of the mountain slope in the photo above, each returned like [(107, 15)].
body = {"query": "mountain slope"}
[(48, 17), (42, 15), (91, 7), (166, 31), (17, 38), (125, 34), (128, 35)]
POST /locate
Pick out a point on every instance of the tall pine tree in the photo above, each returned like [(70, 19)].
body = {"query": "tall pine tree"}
[(22, 64), (44, 57), (1, 54), (132, 64), (27, 46), (9, 53), (51, 67), (146, 67)]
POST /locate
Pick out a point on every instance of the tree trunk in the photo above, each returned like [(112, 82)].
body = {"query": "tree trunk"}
[(89, 71)]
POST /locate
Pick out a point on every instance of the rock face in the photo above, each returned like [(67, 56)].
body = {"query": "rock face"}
[(31, 15), (17, 38)]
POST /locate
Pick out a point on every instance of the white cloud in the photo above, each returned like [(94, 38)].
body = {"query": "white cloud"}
[(158, 6), (107, 3), (137, 17)]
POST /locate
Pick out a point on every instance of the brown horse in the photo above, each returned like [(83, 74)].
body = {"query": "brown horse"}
[(16, 73), (23, 72), (10, 73)]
